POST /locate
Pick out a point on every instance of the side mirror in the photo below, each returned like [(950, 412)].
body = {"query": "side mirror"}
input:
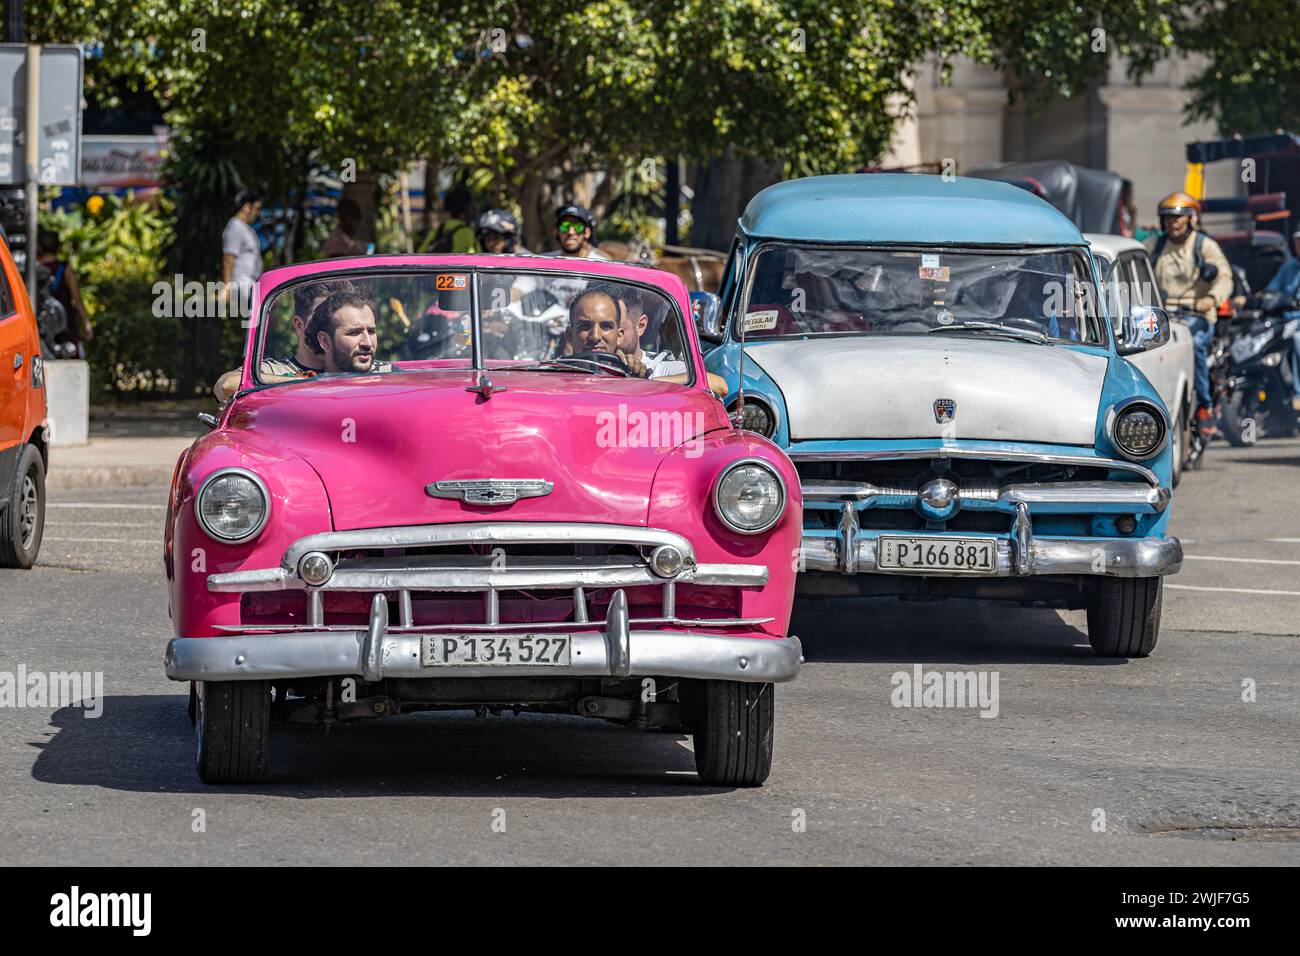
[(706, 308), (1145, 327)]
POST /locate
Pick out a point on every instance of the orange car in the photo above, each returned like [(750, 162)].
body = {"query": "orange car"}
[(24, 445)]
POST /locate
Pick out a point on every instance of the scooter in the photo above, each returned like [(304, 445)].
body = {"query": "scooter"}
[(1259, 387)]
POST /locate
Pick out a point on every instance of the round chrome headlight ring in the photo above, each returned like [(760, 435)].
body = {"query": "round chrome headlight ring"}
[(667, 561), (315, 568), (232, 505), (749, 496), (1138, 429)]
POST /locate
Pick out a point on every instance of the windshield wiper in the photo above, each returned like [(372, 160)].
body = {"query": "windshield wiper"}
[(569, 364), (1027, 335)]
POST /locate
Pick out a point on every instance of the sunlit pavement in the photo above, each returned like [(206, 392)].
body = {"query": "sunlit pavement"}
[(1155, 761)]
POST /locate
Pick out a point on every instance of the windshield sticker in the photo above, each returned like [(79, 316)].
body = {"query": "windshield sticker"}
[(929, 261), (934, 273), (944, 317), (451, 281), (761, 321)]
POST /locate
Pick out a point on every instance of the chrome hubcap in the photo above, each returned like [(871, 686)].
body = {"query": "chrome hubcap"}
[(28, 513)]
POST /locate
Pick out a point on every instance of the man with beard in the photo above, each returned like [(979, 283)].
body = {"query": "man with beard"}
[(342, 331)]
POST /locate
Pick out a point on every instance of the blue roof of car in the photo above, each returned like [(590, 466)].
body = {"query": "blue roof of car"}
[(906, 208)]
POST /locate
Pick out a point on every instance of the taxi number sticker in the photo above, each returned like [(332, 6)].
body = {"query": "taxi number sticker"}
[(451, 281)]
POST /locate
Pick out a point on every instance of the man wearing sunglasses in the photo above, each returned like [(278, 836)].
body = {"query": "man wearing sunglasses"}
[(573, 230)]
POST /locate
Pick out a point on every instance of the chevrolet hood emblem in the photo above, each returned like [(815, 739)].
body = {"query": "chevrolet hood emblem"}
[(490, 491)]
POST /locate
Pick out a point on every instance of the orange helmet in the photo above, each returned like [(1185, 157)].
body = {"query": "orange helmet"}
[(1178, 204)]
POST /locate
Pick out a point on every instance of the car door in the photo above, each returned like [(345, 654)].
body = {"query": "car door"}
[(15, 337)]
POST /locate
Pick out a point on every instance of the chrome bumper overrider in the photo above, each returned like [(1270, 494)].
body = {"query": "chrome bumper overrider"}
[(850, 551), (611, 650)]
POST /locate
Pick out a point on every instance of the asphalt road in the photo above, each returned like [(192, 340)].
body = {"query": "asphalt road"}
[(1184, 770)]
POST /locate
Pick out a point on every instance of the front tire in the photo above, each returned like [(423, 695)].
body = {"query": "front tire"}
[(1182, 444), (23, 521), (1235, 413), (734, 728), (1124, 616), (232, 730)]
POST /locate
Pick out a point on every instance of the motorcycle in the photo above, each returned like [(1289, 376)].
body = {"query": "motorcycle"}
[(1259, 386)]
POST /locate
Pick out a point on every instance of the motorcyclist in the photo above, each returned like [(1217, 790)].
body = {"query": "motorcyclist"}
[(497, 232), (1192, 273), (1285, 285)]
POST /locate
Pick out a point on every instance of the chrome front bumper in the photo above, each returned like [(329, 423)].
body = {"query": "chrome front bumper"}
[(614, 650), (850, 551)]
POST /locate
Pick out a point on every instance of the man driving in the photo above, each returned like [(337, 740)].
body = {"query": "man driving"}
[(594, 320), (1192, 272)]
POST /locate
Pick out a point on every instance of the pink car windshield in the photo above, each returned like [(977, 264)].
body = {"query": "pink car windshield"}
[(364, 322)]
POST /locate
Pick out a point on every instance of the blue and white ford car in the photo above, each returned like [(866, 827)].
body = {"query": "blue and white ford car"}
[(936, 359)]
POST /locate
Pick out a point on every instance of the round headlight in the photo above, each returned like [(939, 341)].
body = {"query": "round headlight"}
[(232, 505), (756, 417), (750, 497), (1139, 430)]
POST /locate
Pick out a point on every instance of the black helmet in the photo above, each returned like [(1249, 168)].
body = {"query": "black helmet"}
[(501, 222), (580, 213)]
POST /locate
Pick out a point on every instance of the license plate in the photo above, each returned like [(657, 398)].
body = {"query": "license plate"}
[(439, 650), (954, 555)]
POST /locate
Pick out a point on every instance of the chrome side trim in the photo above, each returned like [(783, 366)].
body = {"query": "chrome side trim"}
[(944, 451)]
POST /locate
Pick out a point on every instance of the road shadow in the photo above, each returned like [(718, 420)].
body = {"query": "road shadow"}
[(145, 743), (958, 631)]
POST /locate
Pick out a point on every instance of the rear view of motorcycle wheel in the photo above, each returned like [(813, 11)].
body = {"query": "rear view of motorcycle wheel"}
[(1233, 421)]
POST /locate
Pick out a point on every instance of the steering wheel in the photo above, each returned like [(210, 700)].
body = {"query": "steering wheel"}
[(609, 359)]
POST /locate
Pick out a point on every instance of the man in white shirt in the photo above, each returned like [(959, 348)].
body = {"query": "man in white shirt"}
[(241, 251)]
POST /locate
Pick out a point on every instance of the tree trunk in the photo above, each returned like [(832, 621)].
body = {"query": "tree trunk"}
[(723, 187), (536, 234)]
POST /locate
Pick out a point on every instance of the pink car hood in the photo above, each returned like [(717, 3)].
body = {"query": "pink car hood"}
[(376, 442)]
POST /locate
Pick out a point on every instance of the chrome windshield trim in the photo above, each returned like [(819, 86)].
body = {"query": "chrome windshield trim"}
[(997, 455)]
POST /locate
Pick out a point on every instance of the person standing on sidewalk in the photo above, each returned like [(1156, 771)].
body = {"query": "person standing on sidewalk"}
[(65, 287), (342, 240), (241, 251)]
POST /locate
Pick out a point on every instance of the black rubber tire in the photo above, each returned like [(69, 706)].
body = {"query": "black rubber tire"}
[(13, 553), (1183, 439), (1234, 413), (734, 728), (232, 731), (1124, 616)]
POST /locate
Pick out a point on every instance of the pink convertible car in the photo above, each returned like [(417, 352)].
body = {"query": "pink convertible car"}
[(487, 483)]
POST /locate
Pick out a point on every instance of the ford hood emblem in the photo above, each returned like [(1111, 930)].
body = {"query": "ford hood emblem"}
[(944, 410)]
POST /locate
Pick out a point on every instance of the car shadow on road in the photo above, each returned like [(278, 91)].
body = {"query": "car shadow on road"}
[(145, 743), (887, 630)]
